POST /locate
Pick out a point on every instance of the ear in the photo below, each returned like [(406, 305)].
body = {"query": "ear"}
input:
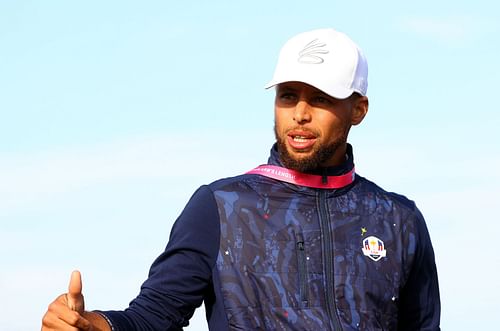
[(360, 109)]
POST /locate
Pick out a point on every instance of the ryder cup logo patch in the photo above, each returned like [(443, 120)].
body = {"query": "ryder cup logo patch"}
[(374, 248)]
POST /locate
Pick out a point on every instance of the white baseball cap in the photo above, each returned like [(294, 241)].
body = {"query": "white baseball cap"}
[(326, 59)]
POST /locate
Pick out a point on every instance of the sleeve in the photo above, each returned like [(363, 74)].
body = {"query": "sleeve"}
[(181, 276), (420, 306)]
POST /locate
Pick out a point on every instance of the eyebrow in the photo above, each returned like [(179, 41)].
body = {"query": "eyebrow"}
[(286, 89)]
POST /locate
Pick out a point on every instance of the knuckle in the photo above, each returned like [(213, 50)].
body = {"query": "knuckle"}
[(46, 320), (74, 318), (52, 307)]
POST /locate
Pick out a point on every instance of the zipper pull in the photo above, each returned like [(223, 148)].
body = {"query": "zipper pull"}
[(324, 177), (300, 240)]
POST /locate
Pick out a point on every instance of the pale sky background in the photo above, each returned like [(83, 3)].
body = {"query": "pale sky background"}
[(114, 112)]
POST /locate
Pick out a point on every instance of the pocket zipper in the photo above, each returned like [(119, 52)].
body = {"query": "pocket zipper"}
[(302, 270)]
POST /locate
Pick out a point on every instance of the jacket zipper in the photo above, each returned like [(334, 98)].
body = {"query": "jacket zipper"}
[(301, 260), (328, 256)]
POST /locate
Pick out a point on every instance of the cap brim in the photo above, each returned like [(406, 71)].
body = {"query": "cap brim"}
[(336, 92)]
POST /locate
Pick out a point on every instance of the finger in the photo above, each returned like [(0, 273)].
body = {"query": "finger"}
[(74, 319), (60, 317), (61, 327), (51, 317), (74, 296), (51, 323)]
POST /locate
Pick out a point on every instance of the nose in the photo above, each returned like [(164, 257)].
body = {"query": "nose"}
[(302, 113)]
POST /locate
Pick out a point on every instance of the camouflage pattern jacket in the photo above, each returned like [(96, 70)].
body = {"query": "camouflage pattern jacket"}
[(268, 255)]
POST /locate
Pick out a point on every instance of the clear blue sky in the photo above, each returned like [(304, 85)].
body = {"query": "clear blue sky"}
[(114, 112)]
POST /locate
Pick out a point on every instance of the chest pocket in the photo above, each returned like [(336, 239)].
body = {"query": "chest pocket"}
[(283, 274), (287, 265)]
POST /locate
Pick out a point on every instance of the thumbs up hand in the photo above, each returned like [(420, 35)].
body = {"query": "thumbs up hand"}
[(65, 312)]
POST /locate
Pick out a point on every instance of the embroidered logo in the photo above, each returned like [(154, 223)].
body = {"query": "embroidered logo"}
[(374, 248), (311, 53)]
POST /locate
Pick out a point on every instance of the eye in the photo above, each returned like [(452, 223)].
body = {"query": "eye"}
[(321, 100), (287, 97)]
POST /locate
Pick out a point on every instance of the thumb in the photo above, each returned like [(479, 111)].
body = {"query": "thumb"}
[(74, 296)]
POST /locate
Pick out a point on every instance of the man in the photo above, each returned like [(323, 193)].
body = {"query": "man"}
[(302, 243)]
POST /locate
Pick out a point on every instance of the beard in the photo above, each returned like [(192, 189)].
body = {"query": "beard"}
[(320, 154)]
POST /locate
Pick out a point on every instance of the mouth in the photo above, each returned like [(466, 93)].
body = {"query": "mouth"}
[(301, 140)]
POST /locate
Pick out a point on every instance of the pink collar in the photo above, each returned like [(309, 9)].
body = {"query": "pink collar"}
[(299, 178)]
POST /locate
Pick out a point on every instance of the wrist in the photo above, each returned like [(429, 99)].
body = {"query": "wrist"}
[(98, 321)]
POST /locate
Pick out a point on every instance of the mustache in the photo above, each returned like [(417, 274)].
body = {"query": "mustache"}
[(302, 128)]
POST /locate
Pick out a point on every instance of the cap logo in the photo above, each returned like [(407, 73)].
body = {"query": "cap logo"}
[(310, 54), (374, 248)]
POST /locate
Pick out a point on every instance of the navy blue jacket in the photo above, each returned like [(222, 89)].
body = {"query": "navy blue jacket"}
[(268, 255)]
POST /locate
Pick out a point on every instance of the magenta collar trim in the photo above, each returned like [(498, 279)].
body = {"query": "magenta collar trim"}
[(301, 179)]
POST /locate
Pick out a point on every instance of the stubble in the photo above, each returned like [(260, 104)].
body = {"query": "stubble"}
[(320, 154)]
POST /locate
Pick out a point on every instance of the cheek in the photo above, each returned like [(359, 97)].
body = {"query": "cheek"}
[(280, 120), (326, 122), (332, 127)]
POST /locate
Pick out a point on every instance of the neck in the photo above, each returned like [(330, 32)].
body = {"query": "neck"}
[(338, 158)]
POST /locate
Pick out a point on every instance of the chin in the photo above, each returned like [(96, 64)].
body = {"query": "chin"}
[(300, 154)]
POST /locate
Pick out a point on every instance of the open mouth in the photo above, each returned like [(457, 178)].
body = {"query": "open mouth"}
[(301, 140)]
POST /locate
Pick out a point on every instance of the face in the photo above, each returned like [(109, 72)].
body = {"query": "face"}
[(311, 127)]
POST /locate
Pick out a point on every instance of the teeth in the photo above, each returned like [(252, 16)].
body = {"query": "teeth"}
[(300, 139)]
